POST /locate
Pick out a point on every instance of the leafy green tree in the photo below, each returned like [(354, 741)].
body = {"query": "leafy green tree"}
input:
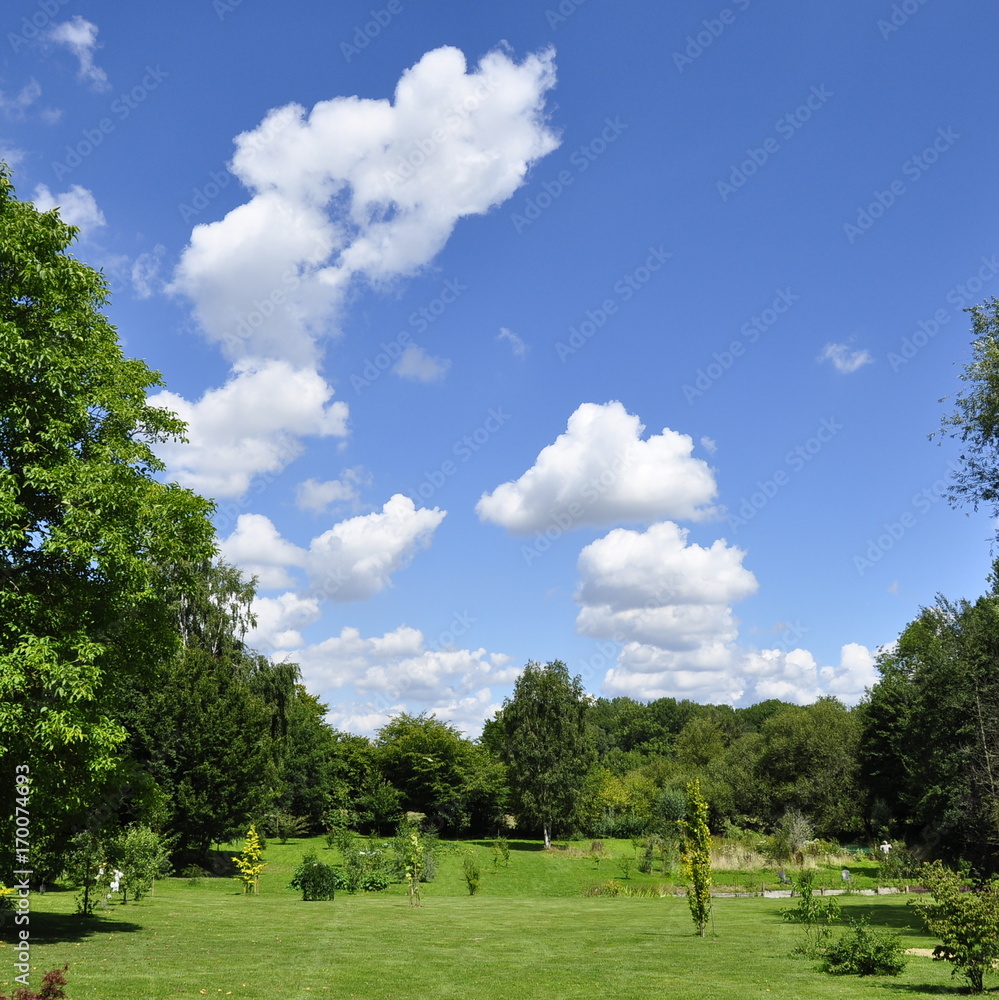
[(975, 419), (696, 857), (966, 922), (547, 747), (455, 782), (931, 731), (141, 856), (88, 533)]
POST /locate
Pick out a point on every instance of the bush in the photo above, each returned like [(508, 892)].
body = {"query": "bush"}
[(863, 951), (472, 873), (52, 988), (315, 879), (815, 916)]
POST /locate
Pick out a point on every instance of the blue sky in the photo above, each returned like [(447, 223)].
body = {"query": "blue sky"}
[(604, 333)]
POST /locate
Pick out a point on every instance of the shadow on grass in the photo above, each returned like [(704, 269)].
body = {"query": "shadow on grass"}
[(897, 916), (53, 928), (515, 845), (927, 989)]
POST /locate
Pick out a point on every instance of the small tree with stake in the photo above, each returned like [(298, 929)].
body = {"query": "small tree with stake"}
[(697, 856)]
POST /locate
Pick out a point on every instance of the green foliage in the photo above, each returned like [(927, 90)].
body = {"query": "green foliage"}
[(51, 989), (815, 915), (84, 864), (789, 840), (141, 856), (249, 863), (284, 826), (317, 881), (471, 871), (863, 951), (966, 922), (696, 856), (899, 866), (501, 852), (975, 420), (413, 852), (546, 743), (88, 532)]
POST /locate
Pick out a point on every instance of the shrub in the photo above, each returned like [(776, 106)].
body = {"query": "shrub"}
[(472, 872), (51, 989), (816, 916), (284, 826), (966, 922), (315, 879), (863, 951)]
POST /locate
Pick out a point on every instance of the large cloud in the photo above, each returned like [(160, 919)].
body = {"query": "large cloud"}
[(353, 560), (360, 187), (600, 471), (401, 671), (250, 425)]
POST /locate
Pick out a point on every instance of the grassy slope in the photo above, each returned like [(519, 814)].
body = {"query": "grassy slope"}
[(528, 934)]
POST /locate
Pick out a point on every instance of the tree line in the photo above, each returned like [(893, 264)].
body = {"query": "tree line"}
[(129, 697)]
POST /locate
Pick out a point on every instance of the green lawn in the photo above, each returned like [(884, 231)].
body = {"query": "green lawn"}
[(529, 933)]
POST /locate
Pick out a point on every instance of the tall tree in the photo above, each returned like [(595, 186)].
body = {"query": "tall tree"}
[(975, 419), (86, 527), (547, 746)]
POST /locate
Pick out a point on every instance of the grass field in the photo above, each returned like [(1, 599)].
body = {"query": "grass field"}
[(528, 933)]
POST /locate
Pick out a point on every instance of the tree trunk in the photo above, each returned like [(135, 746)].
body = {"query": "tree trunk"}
[(548, 838)]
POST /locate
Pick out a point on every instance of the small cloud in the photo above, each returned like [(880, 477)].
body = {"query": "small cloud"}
[(893, 587), (77, 206), (708, 444), (146, 270), (13, 108), (518, 347), (419, 366), (11, 155), (844, 360), (318, 497), (51, 116), (80, 37)]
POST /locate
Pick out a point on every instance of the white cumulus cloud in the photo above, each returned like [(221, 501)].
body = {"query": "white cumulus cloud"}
[(600, 471), (360, 188), (318, 496), (259, 550), (80, 37), (843, 359), (249, 426), (415, 364), (77, 206)]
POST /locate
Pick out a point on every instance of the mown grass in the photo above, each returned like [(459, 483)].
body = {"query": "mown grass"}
[(528, 933)]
